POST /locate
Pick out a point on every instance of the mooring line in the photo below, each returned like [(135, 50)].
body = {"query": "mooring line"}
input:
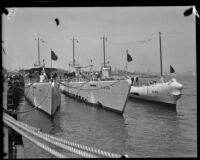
[(83, 147), (66, 147), (64, 143), (45, 147)]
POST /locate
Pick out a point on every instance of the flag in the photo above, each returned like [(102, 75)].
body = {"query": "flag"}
[(171, 69), (57, 21), (53, 56), (129, 58)]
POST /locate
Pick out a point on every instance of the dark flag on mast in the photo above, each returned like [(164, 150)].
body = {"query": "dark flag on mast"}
[(171, 69), (129, 58), (57, 21), (53, 56)]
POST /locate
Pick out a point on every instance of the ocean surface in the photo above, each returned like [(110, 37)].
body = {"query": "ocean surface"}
[(145, 129)]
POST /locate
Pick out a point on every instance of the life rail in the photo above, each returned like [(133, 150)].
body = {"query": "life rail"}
[(141, 83), (80, 87)]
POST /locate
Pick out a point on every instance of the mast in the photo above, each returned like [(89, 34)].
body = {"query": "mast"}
[(91, 66), (73, 39), (106, 70), (161, 71), (73, 52), (104, 61), (38, 52), (104, 58)]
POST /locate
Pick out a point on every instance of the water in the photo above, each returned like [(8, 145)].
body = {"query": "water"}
[(145, 129)]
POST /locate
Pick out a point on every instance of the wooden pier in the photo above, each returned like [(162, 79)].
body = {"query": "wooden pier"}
[(11, 148)]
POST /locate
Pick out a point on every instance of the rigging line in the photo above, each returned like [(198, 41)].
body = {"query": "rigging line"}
[(18, 112), (22, 89), (16, 81), (177, 33), (146, 40), (17, 87), (35, 107), (28, 92), (44, 98), (189, 94), (83, 66), (130, 34), (117, 68)]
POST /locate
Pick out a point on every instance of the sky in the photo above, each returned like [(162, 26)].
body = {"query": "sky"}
[(135, 29)]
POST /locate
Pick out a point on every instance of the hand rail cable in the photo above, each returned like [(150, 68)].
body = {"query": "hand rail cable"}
[(90, 89), (22, 88), (44, 98), (18, 112)]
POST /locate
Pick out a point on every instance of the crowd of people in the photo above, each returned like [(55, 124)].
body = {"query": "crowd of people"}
[(40, 77), (10, 78), (81, 76)]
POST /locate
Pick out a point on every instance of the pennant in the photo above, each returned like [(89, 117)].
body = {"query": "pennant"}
[(171, 69), (53, 56), (129, 58)]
